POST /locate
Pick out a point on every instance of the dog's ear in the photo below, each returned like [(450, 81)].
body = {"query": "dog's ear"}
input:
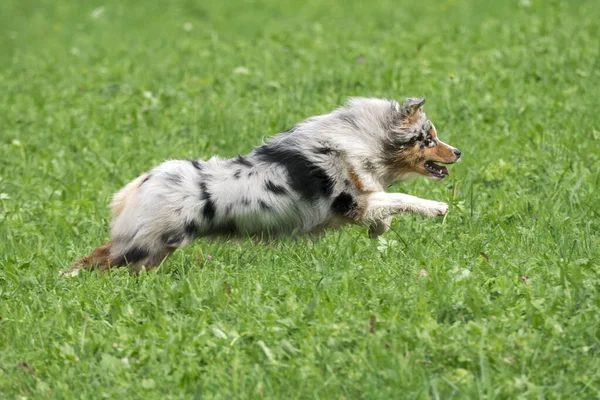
[(411, 110)]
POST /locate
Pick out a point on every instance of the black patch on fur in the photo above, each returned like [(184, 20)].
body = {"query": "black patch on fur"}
[(225, 228), (203, 191), (324, 150), (304, 177), (241, 160), (263, 205), (135, 254), (245, 201), (196, 164), (145, 179), (344, 204), (276, 189), (192, 229), (237, 174), (209, 209)]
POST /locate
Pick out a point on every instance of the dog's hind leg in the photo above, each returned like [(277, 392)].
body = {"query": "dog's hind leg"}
[(136, 258), (102, 257), (139, 258), (99, 258)]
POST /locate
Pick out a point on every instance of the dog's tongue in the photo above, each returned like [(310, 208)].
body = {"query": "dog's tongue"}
[(444, 170)]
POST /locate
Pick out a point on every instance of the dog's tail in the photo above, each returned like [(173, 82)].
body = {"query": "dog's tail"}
[(100, 257)]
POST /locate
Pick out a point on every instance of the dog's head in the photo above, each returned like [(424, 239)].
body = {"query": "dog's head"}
[(412, 146)]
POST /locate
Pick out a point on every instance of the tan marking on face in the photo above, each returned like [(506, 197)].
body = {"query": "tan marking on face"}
[(413, 160), (433, 132), (408, 160), (441, 152)]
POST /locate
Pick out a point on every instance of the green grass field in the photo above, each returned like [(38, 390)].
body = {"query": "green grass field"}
[(500, 299)]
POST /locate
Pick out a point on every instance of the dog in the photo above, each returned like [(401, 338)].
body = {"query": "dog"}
[(325, 172)]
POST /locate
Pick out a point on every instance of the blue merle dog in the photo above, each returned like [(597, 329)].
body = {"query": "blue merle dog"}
[(327, 171)]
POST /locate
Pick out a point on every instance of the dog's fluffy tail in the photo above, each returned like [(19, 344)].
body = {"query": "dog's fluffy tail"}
[(100, 257)]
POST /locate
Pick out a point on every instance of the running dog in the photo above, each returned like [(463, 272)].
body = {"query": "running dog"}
[(325, 172)]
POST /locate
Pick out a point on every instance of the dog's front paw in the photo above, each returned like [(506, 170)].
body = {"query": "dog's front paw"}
[(442, 209), (435, 209)]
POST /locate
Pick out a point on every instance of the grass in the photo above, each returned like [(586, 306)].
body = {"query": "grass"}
[(498, 300)]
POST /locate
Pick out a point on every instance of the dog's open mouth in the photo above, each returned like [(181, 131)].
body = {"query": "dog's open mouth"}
[(435, 170)]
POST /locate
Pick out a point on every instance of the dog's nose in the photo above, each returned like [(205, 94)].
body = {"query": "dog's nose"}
[(457, 153)]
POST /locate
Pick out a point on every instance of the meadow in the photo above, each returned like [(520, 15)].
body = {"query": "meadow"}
[(498, 300)]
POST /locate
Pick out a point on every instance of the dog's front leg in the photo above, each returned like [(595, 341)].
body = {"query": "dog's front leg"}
[(382, 206)]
